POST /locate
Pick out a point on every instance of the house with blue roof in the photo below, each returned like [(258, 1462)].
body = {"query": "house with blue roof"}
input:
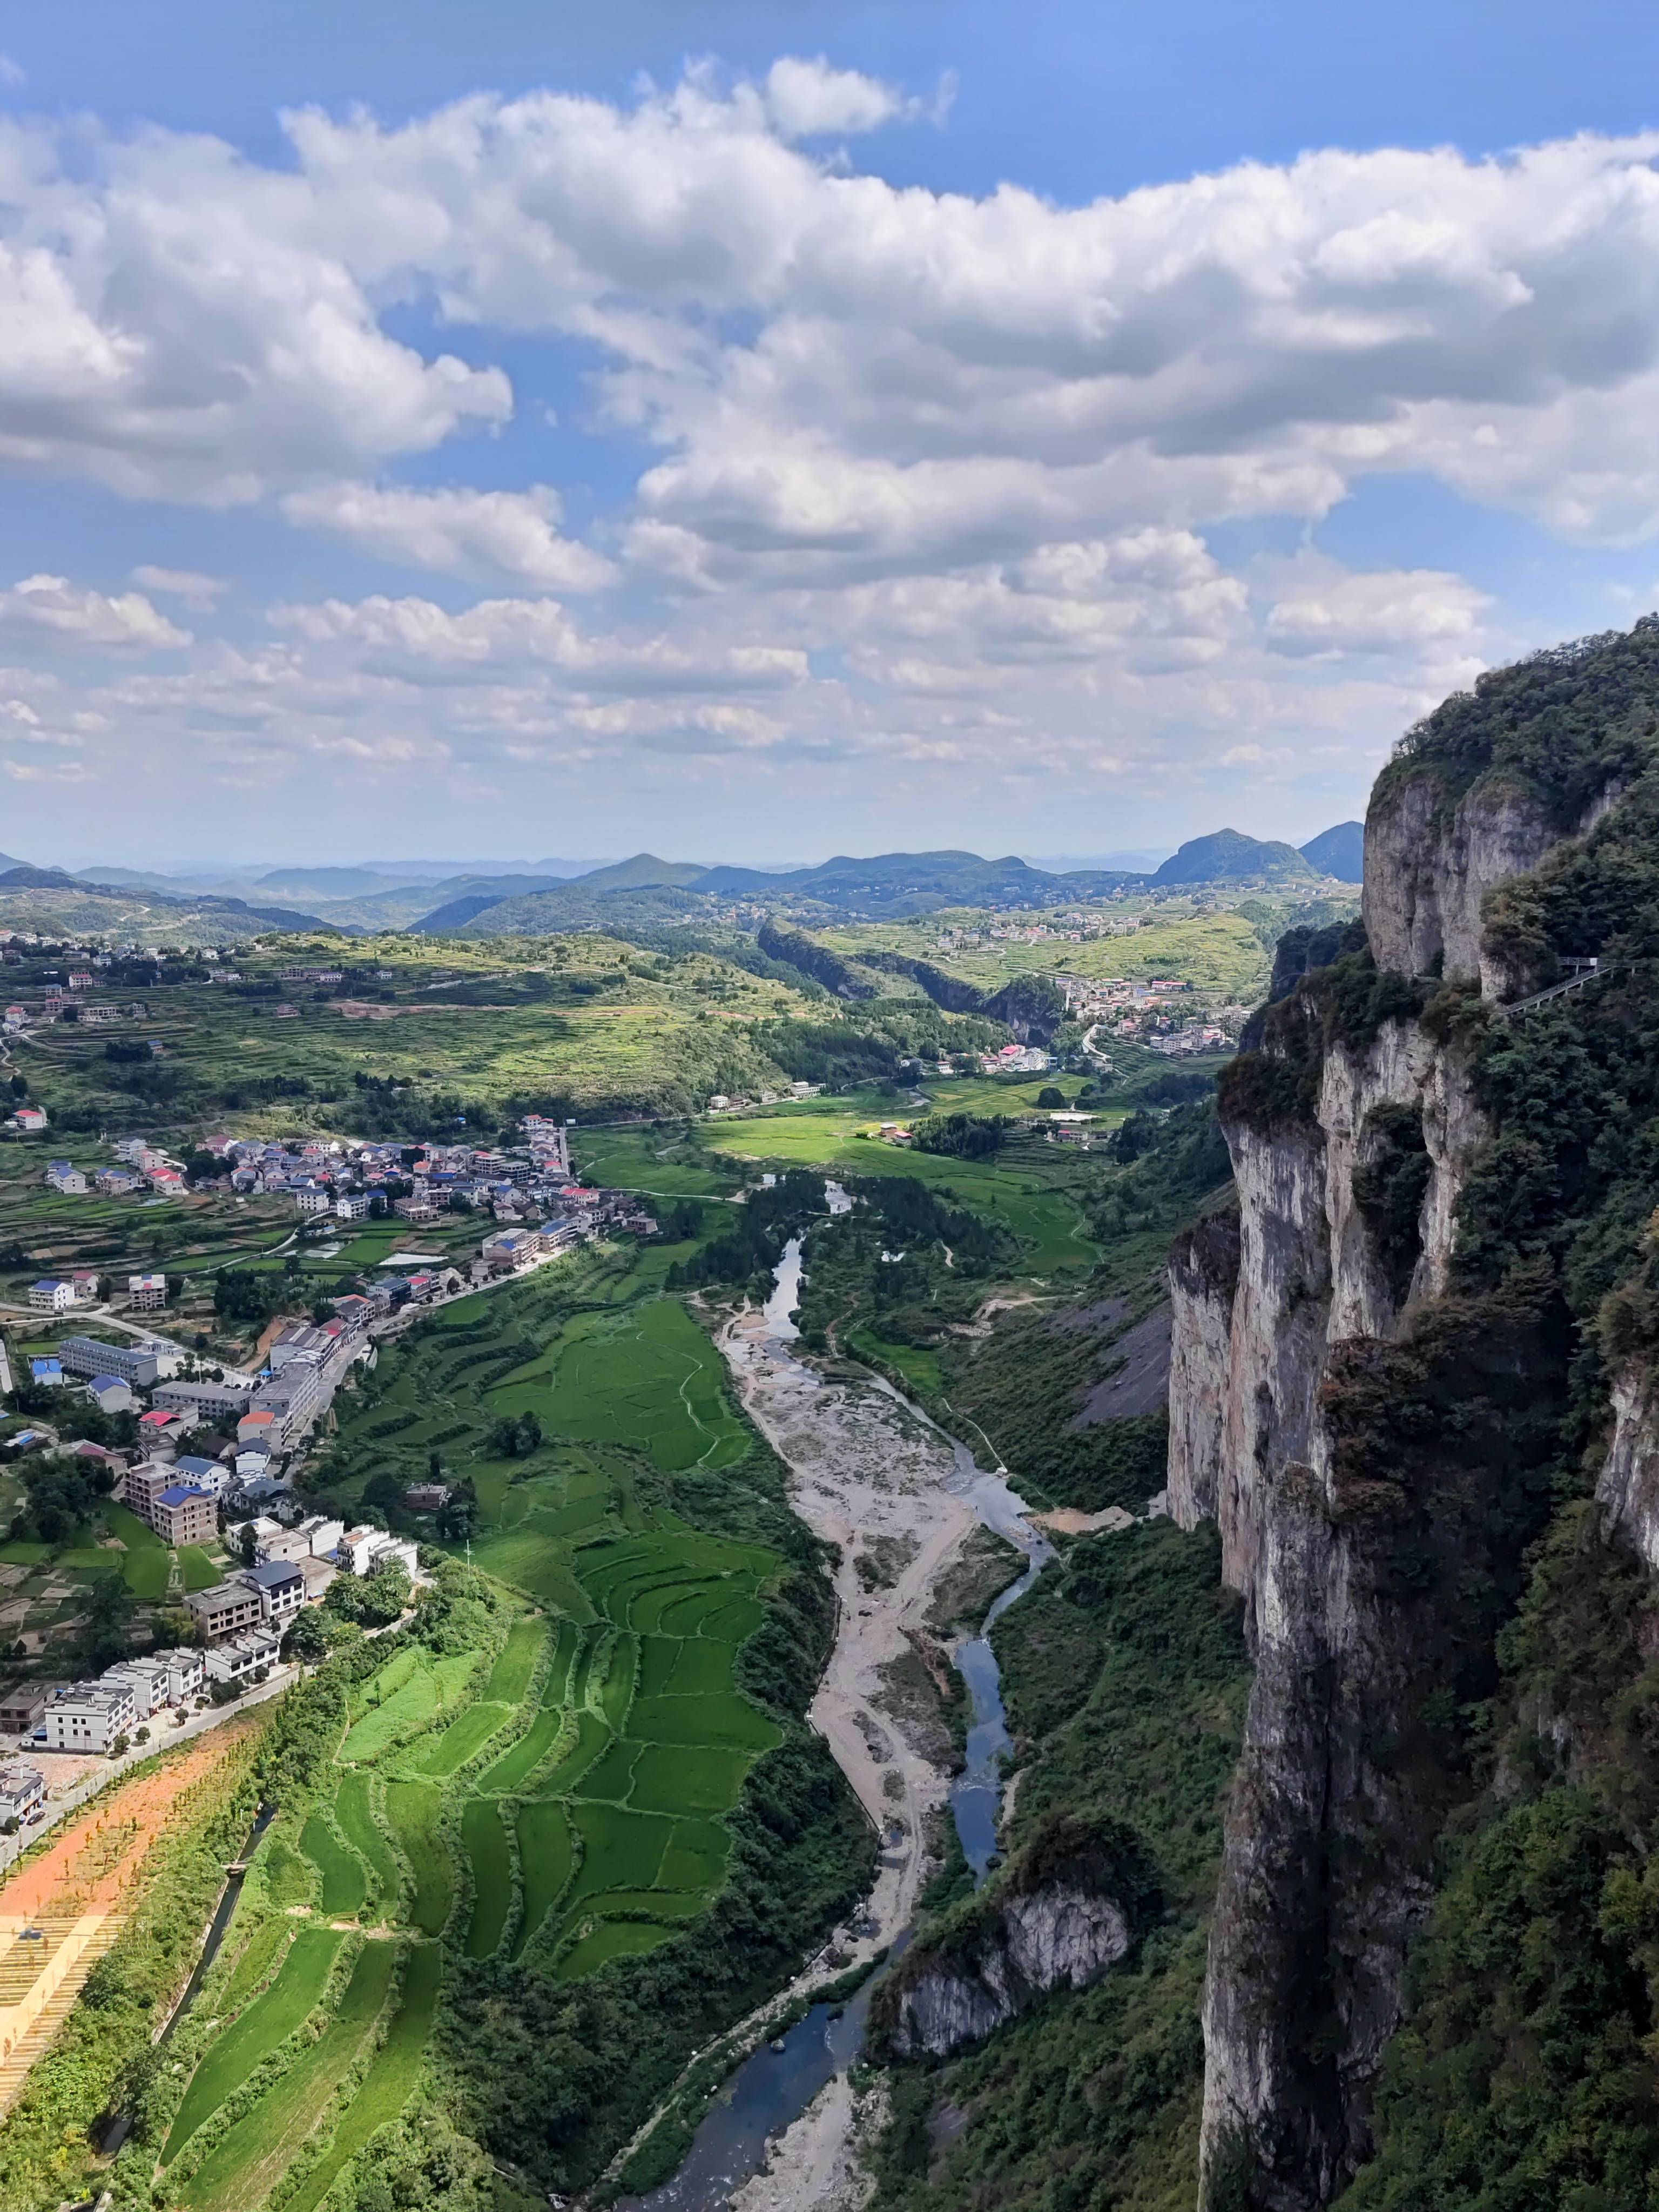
[(50, 1296), (184, 1514), (47, 1374), (110, 1394)]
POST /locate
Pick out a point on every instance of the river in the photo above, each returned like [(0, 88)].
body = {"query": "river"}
[(777, 2083)]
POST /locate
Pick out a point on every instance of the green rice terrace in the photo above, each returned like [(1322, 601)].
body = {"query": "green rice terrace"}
[(538, 1800)]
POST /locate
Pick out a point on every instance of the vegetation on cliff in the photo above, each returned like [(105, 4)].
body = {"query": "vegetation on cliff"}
[(1563, 725)]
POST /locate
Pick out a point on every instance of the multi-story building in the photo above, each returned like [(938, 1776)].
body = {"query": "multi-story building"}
[(313, 1538), (148, 1680), (22, 1792), (86, 1355), (90, 1716), (360, 1551), (249, 1653), (184, 1515), (203, 1398), (294, 1398), (225, 1610), (50, 1296), (280, 1587), (145, 1293), (110, 1394), (259, 1431), (212, 1475), (141, 1485), (64, 1175), (21, 1708)]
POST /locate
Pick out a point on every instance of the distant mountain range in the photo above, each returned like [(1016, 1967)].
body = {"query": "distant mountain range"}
[(379, 896)]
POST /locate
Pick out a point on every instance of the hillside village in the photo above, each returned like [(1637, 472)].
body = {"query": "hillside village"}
[(210, 1452)]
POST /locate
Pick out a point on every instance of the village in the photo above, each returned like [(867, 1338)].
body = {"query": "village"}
[(212, 1468)]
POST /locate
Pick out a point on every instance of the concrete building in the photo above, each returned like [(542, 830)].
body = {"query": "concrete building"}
[(249, 1653), (202, 1398), (46, 1373), (90, 1716), (184, 1515), (360, 1551), (22, 1792), (313, 1538), (280, 1587), (148, 1680), (49, 1296), (318, 1573), (211, 1475), (87, 1355), (225, 1610), (294, 1398), (147, 1292), (21, 1708), (258, 1435), (64, 1175), (110, 1394), (141, 1485)]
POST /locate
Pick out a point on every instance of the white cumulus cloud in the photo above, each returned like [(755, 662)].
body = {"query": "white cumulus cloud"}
[(50, 609), (490, 534)]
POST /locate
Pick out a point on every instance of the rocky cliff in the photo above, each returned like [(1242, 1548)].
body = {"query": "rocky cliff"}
[(1370, 1433), (1054, 1938), (1067, 1908)]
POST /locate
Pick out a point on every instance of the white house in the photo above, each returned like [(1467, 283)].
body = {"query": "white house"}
[(90, 1716), (64, 1175), (22, 1792), (50, 1296)]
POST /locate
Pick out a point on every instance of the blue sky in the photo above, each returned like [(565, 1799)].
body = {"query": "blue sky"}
[(760, 431)]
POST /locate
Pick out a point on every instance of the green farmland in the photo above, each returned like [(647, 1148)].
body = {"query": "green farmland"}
[(560, 1806)]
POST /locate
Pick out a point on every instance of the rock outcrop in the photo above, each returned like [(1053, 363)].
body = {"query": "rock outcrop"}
[(1069, 1907), (1284, 1324), (1431, 859), (1627, 1489), (1054, 1937)]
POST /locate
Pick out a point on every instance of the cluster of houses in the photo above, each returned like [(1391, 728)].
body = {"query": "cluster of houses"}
[(721, 1102), (1013, 1059), (265, 1415), (328, 1176), (242, 1622), (146, 1293)]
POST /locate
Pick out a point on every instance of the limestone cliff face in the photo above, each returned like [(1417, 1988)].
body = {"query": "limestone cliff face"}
[(1203, 1282), (1035, 1943), (1326, 1871), (1430, 861), (1428, 865), (1627, 1489), (1068, 1906)]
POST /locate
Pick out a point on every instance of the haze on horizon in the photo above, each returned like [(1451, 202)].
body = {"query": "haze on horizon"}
[(839, 430)]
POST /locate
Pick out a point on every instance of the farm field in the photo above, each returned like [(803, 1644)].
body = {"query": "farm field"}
[(559, 1805), (1218, 951), (1028, 1197)]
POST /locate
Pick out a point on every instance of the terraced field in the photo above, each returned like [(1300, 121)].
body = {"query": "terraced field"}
[(566, 1803)]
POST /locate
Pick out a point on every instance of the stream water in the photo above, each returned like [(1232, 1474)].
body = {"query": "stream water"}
[(775, 2085)]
